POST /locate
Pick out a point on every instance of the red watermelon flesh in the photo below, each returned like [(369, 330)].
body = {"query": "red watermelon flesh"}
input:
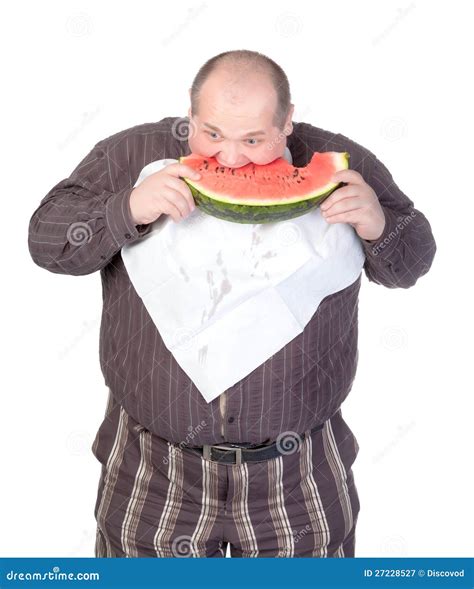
[(263, 193)]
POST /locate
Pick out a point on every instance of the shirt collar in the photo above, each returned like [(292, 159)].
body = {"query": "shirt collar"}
[(287, 155)]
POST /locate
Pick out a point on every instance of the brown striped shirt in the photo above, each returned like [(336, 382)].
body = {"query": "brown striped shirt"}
[(80, 227)]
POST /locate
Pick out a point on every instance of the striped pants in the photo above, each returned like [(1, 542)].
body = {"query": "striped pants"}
[(156, 499)]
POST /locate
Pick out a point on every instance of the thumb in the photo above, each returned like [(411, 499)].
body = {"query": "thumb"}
[(181, 170)]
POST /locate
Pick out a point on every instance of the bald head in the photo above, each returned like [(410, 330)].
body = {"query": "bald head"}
[(236, 71), (243, 94), (238, 112)]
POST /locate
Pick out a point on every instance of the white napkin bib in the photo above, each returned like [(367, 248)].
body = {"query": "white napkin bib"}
[(227, 296)]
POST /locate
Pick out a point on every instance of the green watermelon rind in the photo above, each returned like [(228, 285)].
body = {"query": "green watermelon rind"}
[(258, 213)]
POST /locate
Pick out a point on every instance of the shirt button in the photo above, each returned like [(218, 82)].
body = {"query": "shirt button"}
[(230, 420), (127, 235)]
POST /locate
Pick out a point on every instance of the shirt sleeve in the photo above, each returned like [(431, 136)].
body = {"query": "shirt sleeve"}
[(84, 220), (405, 250)]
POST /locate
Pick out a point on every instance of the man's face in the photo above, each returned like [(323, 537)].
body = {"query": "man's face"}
[(234, 122)]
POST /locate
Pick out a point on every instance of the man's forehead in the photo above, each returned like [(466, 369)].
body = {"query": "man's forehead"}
[(250, 97), (245, 117), (251, 133)]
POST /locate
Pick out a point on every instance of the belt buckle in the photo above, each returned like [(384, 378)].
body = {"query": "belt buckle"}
[(207, 452)]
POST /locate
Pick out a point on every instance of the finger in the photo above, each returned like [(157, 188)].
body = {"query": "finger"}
[(175, 204), (170, 209), (349, 176), (181, 187), (347, 217), (181, 170), (343, 205), (338, 195)]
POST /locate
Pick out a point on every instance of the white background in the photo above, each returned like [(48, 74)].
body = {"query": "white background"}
[(393, 76)]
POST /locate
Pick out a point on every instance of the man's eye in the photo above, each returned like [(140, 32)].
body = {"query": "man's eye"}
[(213, 135), (254, 141)]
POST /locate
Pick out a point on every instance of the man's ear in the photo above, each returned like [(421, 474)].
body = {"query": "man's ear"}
[(189, 109), (288, 127)]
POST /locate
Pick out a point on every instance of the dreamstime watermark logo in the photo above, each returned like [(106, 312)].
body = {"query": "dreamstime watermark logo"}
[(402, 13), (278, 139), (288, 442), (288, 234), (183, 128), (79, 233), (193, 13), (79, 25), (298, 534), (393, 545), (402, 432), (83, 544), (288, 24), (54, 575), (302, 111), (193, 431), (393, 338), (393, 128), (78, 443), (87, 117), (182, 546), (402, 222), (183, 338), (87, 326)]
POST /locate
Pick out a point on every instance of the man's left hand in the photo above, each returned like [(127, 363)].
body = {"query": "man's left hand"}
[(356, 204)]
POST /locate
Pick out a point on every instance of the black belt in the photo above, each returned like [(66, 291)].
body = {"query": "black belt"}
[(286, 443)]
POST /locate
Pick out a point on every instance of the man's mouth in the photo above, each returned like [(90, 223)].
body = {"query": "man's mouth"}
[(229, 166)]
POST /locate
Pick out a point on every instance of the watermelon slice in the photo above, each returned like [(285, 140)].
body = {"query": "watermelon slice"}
[(263, 194)]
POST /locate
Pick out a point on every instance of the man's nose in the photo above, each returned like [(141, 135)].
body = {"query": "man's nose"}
[(229, 157)]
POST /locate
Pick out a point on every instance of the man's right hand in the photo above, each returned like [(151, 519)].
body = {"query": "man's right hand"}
[(163, 192)]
